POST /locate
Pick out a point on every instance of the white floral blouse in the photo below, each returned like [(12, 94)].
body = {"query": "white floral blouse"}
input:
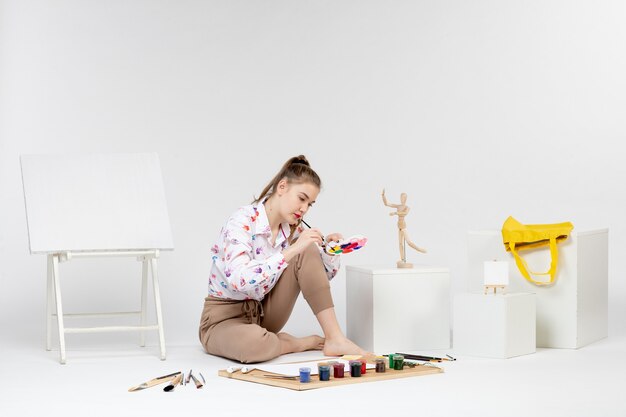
[(245, 263)]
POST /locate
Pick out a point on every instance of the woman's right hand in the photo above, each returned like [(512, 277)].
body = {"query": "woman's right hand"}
[(304, 240)]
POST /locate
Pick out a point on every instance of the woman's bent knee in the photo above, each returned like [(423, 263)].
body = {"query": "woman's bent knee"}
[(245, 343)]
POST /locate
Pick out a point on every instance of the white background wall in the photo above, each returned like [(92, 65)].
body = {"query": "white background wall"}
[(477, 110)]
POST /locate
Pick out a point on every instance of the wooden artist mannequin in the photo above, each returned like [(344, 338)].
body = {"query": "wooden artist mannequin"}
[(401, 211)]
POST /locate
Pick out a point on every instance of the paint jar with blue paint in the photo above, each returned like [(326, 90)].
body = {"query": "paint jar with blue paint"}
[(305, 375), (324, 372)]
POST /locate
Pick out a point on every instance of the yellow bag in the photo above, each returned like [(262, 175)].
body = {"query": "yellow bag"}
[(518, 237)]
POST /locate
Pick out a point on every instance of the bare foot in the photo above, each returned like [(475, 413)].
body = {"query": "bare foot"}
[(342, 346), (291, 344)]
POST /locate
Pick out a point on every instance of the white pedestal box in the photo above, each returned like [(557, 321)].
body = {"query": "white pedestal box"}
[(394, 310), (574, 311), (494, 326)]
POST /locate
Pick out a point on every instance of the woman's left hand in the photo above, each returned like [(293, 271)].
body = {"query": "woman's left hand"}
[(334, 237)]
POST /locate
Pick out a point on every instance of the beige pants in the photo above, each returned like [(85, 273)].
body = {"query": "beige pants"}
[(245, 331)]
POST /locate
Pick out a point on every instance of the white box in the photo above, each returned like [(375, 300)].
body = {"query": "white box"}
[(574, 311), (394, 310), (494, 326)]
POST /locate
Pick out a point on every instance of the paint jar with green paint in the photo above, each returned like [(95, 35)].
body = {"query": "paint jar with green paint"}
[(398, 362)]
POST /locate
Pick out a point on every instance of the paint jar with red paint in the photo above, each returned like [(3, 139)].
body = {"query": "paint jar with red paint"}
[(338, 370)]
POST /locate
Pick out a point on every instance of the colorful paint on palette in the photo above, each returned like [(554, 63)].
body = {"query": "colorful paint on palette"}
[(347, 245)]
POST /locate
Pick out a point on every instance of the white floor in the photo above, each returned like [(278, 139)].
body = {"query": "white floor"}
[(552, 382)]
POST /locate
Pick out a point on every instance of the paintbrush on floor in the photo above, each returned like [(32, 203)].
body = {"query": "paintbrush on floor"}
[(155, 381), (177, 380)]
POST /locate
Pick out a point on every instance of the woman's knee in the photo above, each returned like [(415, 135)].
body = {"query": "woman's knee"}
[(310, 254), (243, 343), (261, 347), (312, 249)]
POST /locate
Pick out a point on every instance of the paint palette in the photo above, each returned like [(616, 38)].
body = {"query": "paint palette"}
[(351, 244)]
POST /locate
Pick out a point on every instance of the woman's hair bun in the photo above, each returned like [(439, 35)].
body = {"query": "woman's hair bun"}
[(300, 159)]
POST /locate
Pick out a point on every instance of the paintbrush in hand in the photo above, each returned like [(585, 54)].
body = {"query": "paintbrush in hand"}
[(323, 238)]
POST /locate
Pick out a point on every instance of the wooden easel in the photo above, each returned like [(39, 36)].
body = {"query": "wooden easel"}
[(495, 276), (494, 288)]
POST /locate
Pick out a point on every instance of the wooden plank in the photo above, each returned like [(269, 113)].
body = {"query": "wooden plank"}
[(257, 376)]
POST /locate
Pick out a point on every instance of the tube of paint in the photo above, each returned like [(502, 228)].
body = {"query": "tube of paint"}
[(230, 370)]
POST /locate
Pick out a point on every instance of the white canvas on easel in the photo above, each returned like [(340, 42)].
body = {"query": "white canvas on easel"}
[(496, 275), (97, 205), (95, 202)]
